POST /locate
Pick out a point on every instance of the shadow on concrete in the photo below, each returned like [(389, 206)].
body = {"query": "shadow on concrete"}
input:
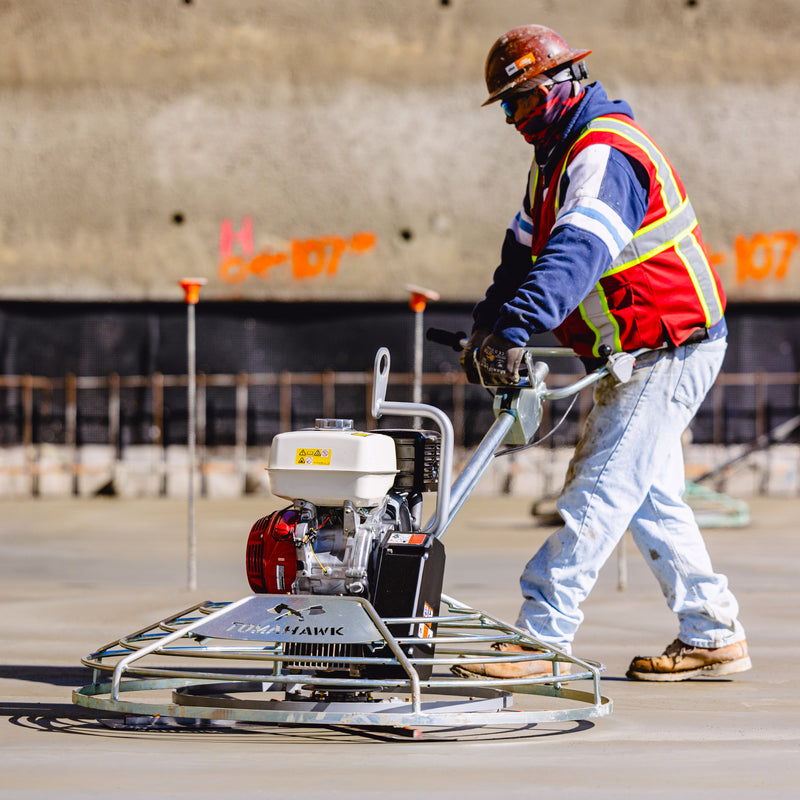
[(54, 717), (56, 676)]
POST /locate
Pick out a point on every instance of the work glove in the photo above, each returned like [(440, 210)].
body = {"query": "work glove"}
[(500, 360), (467, 358)]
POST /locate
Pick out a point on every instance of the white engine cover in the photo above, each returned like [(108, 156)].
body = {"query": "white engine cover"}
[(327, 467)]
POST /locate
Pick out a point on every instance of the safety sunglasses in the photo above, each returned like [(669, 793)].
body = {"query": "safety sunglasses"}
[(509, 105)]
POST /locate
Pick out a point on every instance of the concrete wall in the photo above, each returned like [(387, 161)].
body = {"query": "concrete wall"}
[(309, 150)]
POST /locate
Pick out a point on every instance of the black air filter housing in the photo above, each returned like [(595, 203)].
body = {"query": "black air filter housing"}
[(417, 460)]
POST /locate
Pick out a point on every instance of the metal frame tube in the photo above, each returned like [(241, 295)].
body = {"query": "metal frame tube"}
[(440, 518), (191, 569), (381, 406), (120, 668), (477, 465)]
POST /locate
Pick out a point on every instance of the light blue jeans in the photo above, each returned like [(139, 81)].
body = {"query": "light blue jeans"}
[(627, 473)]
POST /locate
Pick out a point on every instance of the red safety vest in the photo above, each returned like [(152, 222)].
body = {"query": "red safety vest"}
[(662, 281)]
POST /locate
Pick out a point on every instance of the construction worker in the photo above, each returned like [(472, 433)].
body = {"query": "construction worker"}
[(606, 252)]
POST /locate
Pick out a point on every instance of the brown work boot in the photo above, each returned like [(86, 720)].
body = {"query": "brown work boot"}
[(680, 662), (509, 669)]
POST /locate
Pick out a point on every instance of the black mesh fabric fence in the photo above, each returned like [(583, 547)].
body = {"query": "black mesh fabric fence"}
[(116, 373)]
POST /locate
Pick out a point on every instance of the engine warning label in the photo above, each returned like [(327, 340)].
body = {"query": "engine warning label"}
[(313, 456), (407, 538), (425, 631)]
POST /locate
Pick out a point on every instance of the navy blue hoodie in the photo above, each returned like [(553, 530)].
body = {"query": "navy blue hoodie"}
[(526, 298)]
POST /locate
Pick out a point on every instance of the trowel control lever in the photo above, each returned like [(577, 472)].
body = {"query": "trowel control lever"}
[(621, 365)]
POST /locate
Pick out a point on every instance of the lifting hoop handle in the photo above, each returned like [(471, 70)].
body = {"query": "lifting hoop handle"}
[(380, 380)]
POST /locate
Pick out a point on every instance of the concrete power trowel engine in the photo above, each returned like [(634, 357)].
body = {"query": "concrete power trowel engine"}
[(354, 528)]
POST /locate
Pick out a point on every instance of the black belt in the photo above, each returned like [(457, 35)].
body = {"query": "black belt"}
[(700, 335)]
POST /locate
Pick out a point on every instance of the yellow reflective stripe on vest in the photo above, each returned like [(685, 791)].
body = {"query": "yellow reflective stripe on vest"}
[(680, 230), (534, 177), (598, 318), (659, 235), (690, 253)]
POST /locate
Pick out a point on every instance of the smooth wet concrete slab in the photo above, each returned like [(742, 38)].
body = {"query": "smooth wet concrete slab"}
[(77, 574)]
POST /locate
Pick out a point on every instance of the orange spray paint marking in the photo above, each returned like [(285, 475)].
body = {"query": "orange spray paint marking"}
[(764, 255), (790, 239), (233, 269), (717, 259), (309, 258), (228, 237), (264, 260), (360, 242)]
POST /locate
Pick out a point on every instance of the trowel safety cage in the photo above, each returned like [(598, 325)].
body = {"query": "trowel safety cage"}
[(324, 691)]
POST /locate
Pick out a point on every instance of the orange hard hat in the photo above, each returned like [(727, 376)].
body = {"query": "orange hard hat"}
[(523, 55)]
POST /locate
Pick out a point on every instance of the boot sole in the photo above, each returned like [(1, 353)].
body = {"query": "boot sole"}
[(711, 671), (461, 672)]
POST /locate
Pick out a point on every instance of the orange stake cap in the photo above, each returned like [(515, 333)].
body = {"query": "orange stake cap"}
[(418, 301), (191, 288), (420, 297)]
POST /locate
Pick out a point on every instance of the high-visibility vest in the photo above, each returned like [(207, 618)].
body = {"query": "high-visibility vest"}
[(662, 282)]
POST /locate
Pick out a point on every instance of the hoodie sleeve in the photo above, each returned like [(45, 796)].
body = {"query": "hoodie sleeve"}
[(515, 262), (604, 201)]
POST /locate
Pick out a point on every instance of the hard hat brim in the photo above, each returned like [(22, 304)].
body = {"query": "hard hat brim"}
[(537, 80)]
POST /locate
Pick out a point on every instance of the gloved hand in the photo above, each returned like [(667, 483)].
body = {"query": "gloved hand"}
[(467, 359), (500, 360)]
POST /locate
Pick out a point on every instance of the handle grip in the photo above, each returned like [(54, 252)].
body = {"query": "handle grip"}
[(447, 338)]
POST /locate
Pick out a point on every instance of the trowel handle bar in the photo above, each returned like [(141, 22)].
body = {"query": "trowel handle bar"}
[(619, 364), (458, 341)]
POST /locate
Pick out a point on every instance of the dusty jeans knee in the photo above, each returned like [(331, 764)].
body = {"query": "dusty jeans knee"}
[(628, 472)]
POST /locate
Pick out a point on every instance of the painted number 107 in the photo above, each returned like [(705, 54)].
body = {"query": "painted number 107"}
[(764, 256)]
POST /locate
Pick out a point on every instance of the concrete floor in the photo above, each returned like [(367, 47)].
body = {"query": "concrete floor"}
[(77, 574)]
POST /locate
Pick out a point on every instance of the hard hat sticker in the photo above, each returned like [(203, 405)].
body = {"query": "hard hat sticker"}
[(313, 456), (520, 63)]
